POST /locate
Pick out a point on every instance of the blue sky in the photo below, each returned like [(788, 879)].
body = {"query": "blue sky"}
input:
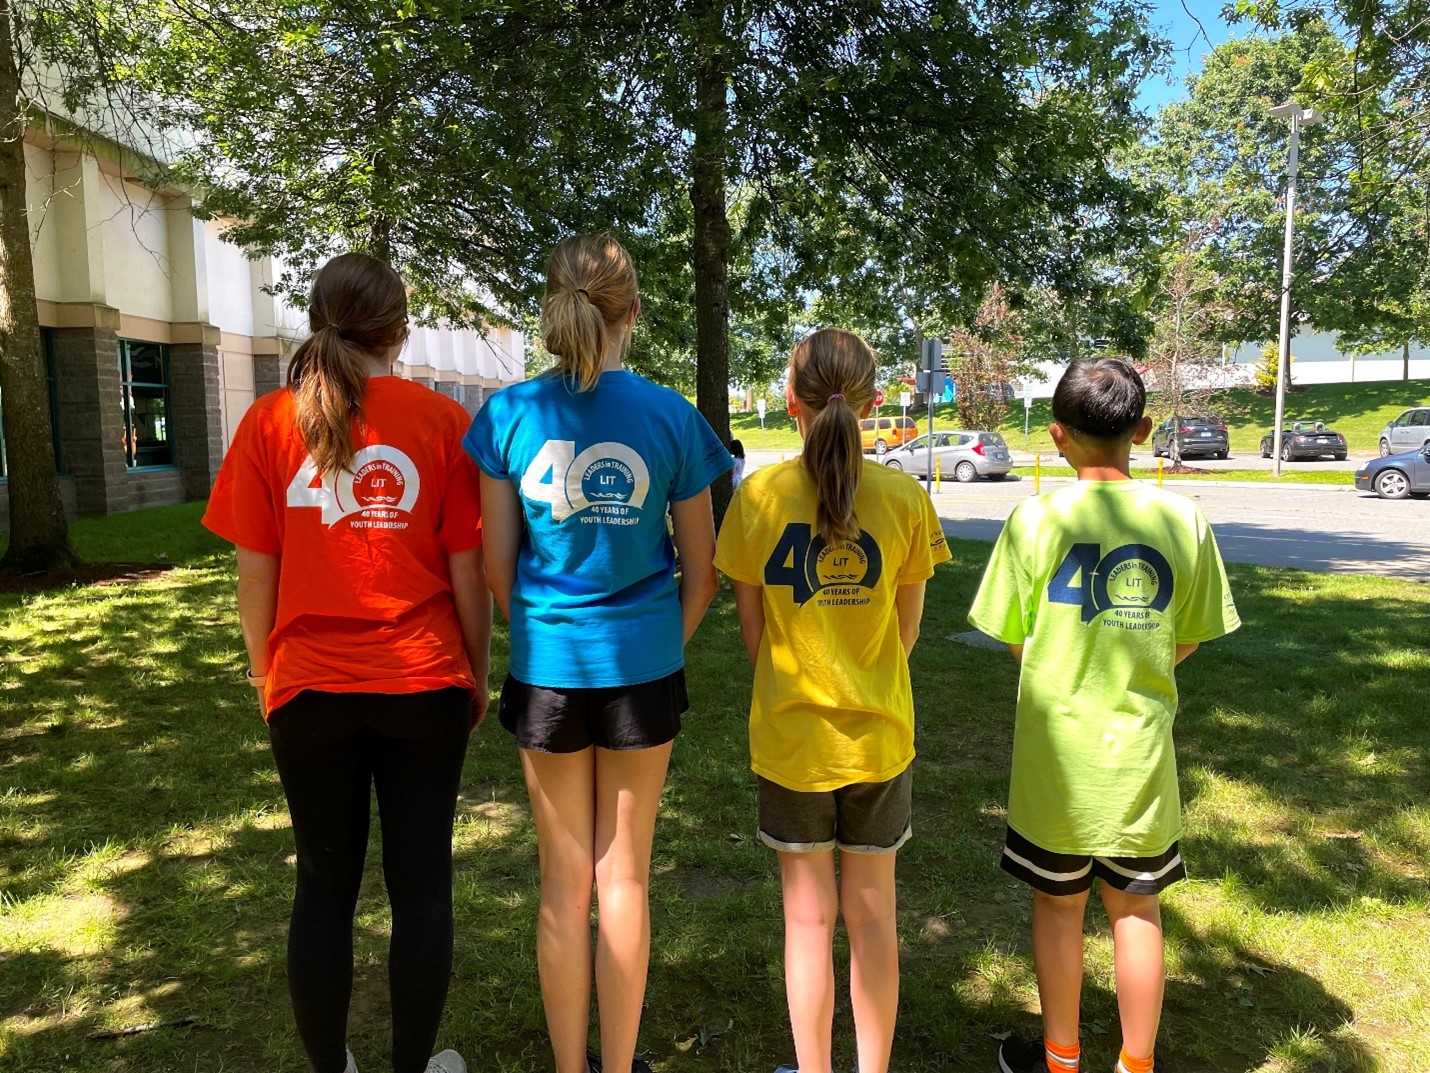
[(1190, 42)]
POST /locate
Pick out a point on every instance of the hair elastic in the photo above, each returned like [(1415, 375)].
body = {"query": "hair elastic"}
[(835, 396), (583, 290)]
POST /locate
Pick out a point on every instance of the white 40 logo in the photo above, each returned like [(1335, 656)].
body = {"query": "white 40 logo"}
[(604, 473), (380, 478)]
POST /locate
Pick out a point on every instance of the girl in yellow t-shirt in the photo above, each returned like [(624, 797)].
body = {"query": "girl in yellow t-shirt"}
[(829, 554)]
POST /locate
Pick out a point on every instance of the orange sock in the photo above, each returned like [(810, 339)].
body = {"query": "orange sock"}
[(1062, 1059), (1127, 1064)]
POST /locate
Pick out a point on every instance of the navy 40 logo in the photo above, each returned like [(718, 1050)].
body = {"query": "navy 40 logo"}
[(1133, 576), (805, 563)]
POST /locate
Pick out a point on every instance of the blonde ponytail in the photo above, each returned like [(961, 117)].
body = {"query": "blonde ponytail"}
[(357, 310), (832, 376), (591, 290)]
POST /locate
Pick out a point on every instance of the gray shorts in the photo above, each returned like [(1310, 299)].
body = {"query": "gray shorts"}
[(864, 817)]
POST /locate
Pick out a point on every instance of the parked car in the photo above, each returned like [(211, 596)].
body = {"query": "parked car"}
[(960, 456), (1202, 435), (878, 434), (1397, 476), (1306, 439), (1407, 432)]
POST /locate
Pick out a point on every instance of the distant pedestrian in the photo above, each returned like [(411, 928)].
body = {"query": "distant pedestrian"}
[(737, 451), (366, 617), (579, 468), (829, 554), (1099, 589)]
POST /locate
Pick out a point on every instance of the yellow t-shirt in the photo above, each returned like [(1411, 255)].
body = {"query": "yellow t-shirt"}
[(832, 703)]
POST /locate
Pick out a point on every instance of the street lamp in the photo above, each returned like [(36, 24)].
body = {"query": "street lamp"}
[(1299, 117)]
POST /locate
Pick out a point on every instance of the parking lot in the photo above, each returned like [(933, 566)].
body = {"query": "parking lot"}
[(1311, 527)]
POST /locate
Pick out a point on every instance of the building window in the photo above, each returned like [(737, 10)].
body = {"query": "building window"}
[(144, 379), (47, 351)]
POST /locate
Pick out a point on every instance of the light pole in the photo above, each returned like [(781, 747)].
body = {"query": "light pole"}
[(1299, 117)]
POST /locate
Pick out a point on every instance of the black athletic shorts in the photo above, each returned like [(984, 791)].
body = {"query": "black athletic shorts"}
[(1060, 874), (864, 817), (639, 716)]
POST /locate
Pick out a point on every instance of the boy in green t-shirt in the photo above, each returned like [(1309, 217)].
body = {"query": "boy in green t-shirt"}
[(1099, 589)]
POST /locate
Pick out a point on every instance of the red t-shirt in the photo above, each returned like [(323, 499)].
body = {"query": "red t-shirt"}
[(364, 593)]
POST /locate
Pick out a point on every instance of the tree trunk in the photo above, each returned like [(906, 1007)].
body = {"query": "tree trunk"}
[(39, 533), (711, 252), (1405, 361)]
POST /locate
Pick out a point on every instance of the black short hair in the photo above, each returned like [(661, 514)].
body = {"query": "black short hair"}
[(1100, 400), (737, 448)]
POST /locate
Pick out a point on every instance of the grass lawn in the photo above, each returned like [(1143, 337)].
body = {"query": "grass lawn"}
[(1313, 476), (146, 863), (1357, 411)]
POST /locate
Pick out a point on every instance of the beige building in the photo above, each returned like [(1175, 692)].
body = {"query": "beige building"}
[(158, 335)]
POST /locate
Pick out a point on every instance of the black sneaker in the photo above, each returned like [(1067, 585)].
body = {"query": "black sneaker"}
[(1019, 1055), (593, 1064)]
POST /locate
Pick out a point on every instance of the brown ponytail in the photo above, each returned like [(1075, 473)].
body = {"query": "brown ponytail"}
[(357, 311), (832, 376), (591, 288)]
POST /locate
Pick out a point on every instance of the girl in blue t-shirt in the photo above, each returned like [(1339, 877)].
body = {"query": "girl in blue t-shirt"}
[(579, 469)]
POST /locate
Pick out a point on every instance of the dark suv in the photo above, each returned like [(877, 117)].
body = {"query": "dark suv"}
[(1195, 436)]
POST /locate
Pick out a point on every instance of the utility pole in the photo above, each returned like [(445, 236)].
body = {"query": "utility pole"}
[(1299, 117)]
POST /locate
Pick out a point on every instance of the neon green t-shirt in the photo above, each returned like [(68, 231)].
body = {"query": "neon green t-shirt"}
[(1099, 581), (832, 704)]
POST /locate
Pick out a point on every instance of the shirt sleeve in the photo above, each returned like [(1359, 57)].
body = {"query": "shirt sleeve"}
[(1207, 611), (702, 457), (461, 525), (928, 546), (481, 442), (244, 504), (733, 545), (1003, 608)]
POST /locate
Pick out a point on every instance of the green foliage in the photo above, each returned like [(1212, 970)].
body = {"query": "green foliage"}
[(1219, 160)]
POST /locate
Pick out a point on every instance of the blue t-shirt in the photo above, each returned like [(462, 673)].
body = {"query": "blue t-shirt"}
[(595, 602)]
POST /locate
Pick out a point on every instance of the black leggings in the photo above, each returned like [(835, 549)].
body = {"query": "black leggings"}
[(331, 748)]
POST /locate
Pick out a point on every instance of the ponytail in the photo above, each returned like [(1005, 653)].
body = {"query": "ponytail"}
[(832, 376), (327, 376), (357, 311), (591, 290)]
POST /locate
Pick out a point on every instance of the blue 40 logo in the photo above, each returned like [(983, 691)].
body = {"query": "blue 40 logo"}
[(805, 563), (1135, 576)]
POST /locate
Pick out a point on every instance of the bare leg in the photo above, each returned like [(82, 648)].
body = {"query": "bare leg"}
[(563, 802), (628, 785), (1057, 958), (866, 895), (1141, 974), (811, 907)]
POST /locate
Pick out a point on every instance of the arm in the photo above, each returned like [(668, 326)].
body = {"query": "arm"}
[(1183, 651), (501, 528), (474, 612), (750, 606), (909, 602), (695, 544), (257, 609), (1017, 651)]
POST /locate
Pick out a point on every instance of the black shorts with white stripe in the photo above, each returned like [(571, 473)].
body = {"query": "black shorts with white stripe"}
[(1071, 873)]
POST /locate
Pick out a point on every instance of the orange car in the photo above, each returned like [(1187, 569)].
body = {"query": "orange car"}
[(878, 434)]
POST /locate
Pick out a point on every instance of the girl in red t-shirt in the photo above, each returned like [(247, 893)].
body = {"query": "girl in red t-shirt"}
[(364, 607)]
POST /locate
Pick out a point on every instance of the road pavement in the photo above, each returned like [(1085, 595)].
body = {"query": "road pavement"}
[(1309, 527)]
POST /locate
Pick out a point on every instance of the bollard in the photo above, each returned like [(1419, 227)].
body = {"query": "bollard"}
[(1037, 473), (938, 474), (1159, 471)]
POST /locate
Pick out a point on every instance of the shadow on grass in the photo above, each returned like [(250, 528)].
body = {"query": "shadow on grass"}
[(146, 863)]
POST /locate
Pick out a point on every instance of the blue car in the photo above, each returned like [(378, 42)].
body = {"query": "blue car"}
[(1397, 476)]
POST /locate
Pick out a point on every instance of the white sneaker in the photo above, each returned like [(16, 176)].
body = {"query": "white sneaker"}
[(352, 1064), (446, 1062)]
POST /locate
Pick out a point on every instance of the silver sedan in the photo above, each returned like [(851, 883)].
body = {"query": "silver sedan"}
[(960, 456)]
